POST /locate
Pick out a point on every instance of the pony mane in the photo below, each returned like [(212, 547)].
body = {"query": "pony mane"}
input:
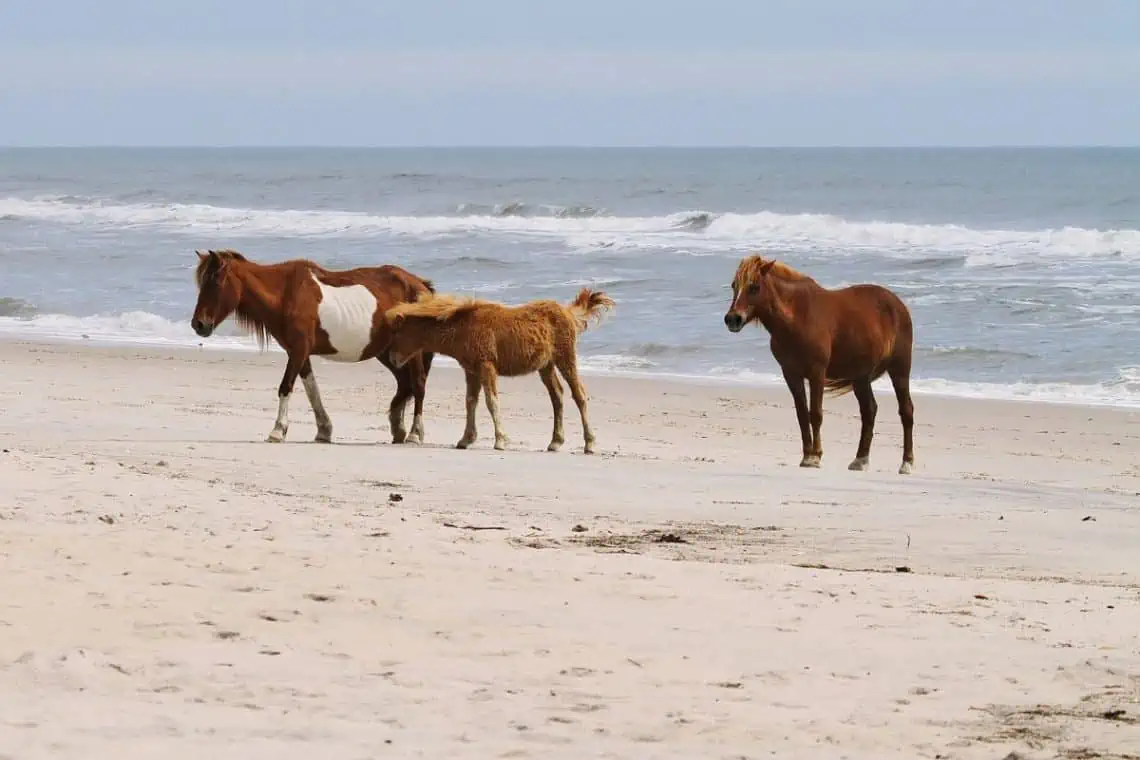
[(749, 271), (437, 306), (252, 326)]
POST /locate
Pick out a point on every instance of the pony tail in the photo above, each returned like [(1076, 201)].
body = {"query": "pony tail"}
[(838, 386), (589, 305)]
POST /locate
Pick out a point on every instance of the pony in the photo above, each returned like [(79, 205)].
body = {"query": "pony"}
[(837, 340), (489, 339), (312, 311)]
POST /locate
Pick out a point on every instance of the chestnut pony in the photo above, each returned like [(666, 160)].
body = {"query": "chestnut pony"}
[(312, 311), (837, 340), (490, 339)]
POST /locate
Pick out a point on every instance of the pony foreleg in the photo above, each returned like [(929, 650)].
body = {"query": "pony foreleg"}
[(281, 425), (469, 433), (550, 380), (815, 414), (324, 424), (868, 408), (803, 418), (491, 396)]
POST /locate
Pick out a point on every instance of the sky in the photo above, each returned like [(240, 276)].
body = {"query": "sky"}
[(554, 72)]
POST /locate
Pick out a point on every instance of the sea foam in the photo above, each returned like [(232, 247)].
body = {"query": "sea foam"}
[(698, 232)]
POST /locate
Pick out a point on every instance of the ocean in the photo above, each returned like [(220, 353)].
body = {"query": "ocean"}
[(1021, 266)]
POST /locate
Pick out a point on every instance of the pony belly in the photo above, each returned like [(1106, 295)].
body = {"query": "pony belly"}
[(345, 314)]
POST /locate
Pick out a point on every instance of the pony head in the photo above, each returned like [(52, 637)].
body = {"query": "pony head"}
[(751, 292), (219, 290), (413, 326)]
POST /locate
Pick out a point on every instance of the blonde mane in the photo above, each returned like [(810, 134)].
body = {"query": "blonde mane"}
[(437, 306), (749, 271)]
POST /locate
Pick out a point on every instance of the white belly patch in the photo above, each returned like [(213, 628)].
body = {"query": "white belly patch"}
[(345, 313)]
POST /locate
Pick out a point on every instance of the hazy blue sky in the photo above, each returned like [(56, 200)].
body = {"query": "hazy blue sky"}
[(614, 72)]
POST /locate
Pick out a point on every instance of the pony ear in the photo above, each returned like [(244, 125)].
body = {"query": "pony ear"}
[(216, 264), (201, 255), (766, 267)]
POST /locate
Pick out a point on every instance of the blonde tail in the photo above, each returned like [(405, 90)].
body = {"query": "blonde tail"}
[(589, 305)]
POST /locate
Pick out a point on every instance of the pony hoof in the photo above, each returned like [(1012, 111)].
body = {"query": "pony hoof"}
[(400, 437), (323, 437), (414, 438), (554, 446), (859, 464), (906, 468), (463, 444), (501, 445), (812, 461), (589, 449), (277, 436)]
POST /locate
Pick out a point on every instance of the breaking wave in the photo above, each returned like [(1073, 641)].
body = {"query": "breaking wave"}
[(15, 307), (587, 228), (528, 210)]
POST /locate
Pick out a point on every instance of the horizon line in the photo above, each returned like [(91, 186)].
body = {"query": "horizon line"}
[(560, 146)]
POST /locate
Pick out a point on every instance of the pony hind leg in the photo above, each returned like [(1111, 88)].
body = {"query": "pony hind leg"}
[(799, 398), (420, 369), (489, 378), (554, 387), (568, 366), (324, 424), (868, 408), (399, 398), (474, 385), (900, 379), (293, 366)]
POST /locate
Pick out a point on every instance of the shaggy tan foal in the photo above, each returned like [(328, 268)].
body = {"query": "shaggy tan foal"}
[(489, 339)]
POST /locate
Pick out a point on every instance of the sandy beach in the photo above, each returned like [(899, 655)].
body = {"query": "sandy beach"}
[(175, 587)]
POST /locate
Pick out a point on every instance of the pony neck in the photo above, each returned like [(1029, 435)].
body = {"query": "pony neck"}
[(258, 302), (425, 333), (781, 316)]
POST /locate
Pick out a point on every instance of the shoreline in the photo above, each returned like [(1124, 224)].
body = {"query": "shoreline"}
[(753, 380)]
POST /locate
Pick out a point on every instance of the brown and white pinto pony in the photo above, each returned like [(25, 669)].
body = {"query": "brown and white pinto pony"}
[(489, 339), (312, 311), (837, 340)]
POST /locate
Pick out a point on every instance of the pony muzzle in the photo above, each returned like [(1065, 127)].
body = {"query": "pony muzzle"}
[(734, 321), (204, 329)]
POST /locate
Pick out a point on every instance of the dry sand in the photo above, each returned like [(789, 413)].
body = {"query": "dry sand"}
[(174, 587)]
